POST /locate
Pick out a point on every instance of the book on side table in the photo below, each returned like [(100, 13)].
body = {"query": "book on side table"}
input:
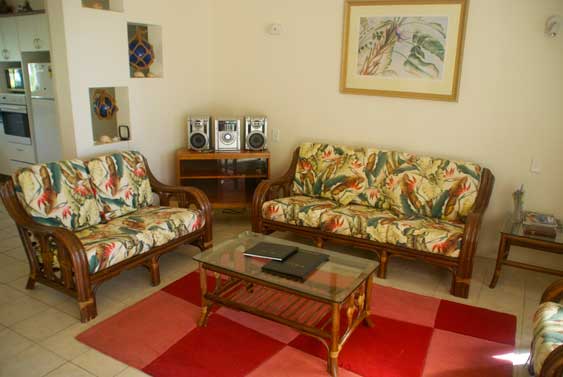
[(540, 224)]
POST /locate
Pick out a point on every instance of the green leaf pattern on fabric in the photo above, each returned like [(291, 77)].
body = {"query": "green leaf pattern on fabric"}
[(121, 238), (426, 234), (121, 183), (355, 220), (548, 332), (297, 210), (330, 171), (58, 194), (411, 185)]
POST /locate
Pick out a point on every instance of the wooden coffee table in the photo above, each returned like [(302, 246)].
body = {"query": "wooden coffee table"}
[(340, 287)]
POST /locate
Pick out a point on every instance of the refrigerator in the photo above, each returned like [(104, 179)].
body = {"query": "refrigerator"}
[(43, 113)]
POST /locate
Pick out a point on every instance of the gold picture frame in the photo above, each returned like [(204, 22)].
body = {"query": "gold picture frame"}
[(403, 48)]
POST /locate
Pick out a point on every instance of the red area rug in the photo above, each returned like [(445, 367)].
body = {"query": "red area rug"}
[(413, 336)]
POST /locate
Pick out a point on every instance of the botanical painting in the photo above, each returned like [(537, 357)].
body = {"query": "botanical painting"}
[(409, 47), (403, 48)]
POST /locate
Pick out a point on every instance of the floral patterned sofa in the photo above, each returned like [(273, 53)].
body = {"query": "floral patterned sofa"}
[(392, 203), (547, 344), (83, 222)]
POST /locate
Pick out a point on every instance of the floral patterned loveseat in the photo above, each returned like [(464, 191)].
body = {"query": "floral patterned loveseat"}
[(392, 203), (83, 222), (547, 344)]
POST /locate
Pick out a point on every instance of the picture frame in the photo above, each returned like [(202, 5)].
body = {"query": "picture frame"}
[(403, 48)]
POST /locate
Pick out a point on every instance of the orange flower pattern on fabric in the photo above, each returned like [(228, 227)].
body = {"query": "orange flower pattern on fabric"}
[(119, 239), (297, 210), (412, 185), (329, 171), (121, 182), (58, 194)]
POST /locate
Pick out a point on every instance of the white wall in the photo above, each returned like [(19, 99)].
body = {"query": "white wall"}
[(510, 105), (219, 59), (96, 56)]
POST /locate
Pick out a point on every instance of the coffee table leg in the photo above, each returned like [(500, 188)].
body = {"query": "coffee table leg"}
[(205, 307), (332, 363), (369, 285), (503, 249)]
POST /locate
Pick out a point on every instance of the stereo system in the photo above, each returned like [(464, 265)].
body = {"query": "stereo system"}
[(199, 133), (256, 131), (226, 134)]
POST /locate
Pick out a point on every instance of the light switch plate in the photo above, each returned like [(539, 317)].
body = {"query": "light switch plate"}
[(535, 167)]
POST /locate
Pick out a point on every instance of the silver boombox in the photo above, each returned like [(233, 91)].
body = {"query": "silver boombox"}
[(227, 134), (199, 133), (256, 131)]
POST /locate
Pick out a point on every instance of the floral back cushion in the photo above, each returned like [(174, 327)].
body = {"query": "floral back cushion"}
[(58, 194), (330, 171), (431, 187), (378, 164), (121, 183)]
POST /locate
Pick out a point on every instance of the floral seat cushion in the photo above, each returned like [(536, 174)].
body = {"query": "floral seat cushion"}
[(548, 332), (122, 238), (297, 210), (355, 220), (121, 183), (427, 234), (58, 194)]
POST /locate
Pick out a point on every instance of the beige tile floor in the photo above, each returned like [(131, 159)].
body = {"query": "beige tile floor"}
[(37, 327)]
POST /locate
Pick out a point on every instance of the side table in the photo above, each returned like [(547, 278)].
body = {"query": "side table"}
[(513, 234)]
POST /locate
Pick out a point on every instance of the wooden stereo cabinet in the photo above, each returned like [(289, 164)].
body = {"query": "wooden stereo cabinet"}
[(228, 178)]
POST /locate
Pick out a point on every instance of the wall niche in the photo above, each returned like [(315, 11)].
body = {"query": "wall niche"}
[(109, 111), (113, 5), (144, 43)]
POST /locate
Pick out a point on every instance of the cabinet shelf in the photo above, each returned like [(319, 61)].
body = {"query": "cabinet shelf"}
[(228, 178), (19, 14)]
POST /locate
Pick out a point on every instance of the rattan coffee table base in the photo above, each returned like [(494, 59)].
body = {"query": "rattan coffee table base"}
[(307, 314)]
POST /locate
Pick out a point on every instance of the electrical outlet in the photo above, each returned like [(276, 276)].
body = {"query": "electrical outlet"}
[(535, 167), (275, 135)]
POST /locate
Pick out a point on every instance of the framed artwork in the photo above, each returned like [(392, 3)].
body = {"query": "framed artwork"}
[(403, 48)]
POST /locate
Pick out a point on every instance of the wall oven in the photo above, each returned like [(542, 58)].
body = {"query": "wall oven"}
[(13, 113)]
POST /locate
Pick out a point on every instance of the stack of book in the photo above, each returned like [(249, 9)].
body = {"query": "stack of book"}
[(540, 224), (286, 260)]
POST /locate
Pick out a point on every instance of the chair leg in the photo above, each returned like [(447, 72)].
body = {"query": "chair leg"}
[(154, 269), (460, 285), (30, 282), (87, 304), (383, 260)]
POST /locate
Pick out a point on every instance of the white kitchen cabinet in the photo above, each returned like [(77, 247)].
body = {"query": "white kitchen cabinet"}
[(33, 32), (9, 46)]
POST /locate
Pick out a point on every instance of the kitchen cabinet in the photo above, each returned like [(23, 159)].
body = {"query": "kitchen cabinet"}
[(9, 46), (20, 152), (33, 32)]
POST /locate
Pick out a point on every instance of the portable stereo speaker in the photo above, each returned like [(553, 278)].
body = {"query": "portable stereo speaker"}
[(256, 133), (199, 133), (227, 134)]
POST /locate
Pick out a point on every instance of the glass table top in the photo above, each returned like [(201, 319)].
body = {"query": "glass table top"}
[(334, 280), (517, 229)]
